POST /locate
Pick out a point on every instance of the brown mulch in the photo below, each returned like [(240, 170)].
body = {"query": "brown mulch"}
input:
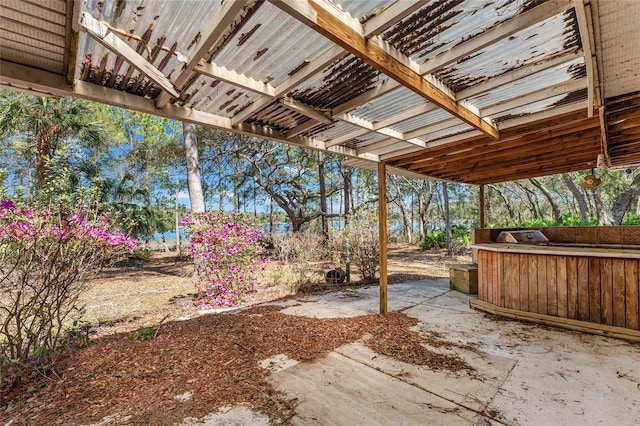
[(214, 357)]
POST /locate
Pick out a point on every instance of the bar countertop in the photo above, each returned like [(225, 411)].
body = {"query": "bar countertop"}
[(610, 251)]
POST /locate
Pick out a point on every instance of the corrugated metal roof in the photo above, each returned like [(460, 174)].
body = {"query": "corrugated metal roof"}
[(530, 63)]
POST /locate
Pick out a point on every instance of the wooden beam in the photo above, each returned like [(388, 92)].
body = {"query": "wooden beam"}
[(126, 100), (100, 32), (488, 148), (348, 33), (32, 80), (488, 37), (306, 110), (382, 230), (212, 31), (585, 38), (516, 128)]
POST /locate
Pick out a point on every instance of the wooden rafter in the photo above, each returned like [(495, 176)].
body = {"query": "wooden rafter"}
[(122, 99), (101, 33), (348, 33)]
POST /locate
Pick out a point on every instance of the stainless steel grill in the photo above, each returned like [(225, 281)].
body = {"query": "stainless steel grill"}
[(532, 237)]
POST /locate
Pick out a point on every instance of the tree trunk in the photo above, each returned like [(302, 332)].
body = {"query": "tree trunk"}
[(580, 198), (399, 201), (512, 214), (347, 247), (447, 219), (557, 216), (604, 214), (194, 185), (622, 204), (323, 195)]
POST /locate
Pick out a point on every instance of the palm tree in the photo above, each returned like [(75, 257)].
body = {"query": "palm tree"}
[(45, 123)]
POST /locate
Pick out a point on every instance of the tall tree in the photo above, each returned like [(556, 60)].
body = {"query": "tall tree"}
[(581, 199), (46, 123), (447, 218), (194, 185)]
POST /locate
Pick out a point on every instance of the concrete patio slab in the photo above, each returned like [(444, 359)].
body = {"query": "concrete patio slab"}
[(525, 374)]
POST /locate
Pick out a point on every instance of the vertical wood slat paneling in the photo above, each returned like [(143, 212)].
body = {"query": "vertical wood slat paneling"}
[(552, 290), (561, 281), (533, 283), (594, 290), (524, 282), (619, 293), (482, 270), (632, 293), (583, 289), (600, 290), (606, 291), (572, 288), (542, 284), (511, 283), (497, 276)]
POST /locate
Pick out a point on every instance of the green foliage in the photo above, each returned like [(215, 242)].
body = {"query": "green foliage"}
[(47, 257), (632, 219), (147, 333), (437, 238)]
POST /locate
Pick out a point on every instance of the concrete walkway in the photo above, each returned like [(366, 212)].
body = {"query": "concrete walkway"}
[(526, 374)]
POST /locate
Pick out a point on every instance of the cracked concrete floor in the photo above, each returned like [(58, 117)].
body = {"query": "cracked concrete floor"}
[(526, 374)]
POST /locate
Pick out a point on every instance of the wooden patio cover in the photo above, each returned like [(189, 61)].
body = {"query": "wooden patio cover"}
[(463, 90), (475, 91)]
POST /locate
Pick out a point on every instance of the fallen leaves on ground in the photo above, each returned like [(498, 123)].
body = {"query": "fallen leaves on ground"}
[(215, 360)]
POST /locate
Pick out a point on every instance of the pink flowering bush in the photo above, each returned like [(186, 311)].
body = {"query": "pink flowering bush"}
[(46, 261), (227, 254)]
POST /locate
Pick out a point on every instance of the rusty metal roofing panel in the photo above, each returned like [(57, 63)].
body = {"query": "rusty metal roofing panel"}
[(433, 117), (335, 131), (217, 97), (449, 131), (157, 30), (559, 74), (271, 45), (442, 24), (546, 39), (390, 104), (539, 106), (338, 83), (359, 9)]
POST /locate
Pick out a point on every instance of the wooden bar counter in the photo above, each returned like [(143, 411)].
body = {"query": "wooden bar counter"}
[(562, 285)]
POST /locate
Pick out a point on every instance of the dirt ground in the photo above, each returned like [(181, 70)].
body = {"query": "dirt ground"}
[(122, 379)]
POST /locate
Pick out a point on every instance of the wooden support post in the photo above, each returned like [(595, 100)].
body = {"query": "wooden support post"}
[(382, 227), (481, 206)]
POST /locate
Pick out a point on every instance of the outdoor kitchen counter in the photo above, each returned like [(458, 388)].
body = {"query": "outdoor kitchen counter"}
[(609, 251), (568, 284)]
